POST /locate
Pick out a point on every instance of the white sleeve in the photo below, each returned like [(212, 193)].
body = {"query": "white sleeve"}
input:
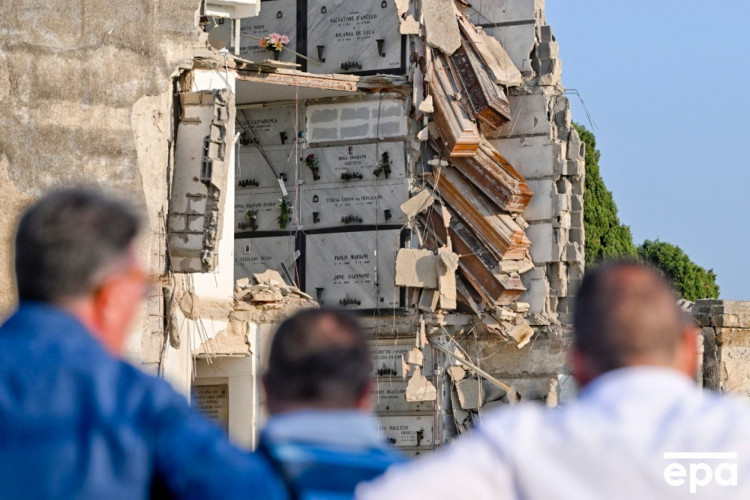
[(468, 468)]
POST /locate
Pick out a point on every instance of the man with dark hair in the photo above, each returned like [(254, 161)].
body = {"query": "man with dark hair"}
[(321, 437), (640, 428), (77, 421)]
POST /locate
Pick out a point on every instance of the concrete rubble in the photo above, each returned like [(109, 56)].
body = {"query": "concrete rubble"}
[(427, 177)]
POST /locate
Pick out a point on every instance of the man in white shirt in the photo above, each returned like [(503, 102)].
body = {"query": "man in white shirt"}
[(639, 429)]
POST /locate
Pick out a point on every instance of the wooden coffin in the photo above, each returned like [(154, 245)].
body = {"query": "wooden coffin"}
[(497, 231), (491, 173), (458, 132), (474, 263), (486, 100)]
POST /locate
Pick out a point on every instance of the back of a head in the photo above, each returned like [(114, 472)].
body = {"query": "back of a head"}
[(319, 358), (627, 313), (68, 241)]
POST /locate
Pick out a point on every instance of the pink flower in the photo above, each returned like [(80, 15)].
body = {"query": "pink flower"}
[(263, 43)]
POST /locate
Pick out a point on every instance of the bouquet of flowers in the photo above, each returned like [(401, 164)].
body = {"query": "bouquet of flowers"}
[(312, 162), (273, 42)]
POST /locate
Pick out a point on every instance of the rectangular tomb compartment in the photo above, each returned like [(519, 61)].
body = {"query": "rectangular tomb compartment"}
[(253, 170), (353, 204), (213, 402), (389, 396), (353, 270), (331, 165), (259, 210), (354, 37), (276, 16), (256, 255), (355, 120), (386, 360), (411, 431), (272, 125)]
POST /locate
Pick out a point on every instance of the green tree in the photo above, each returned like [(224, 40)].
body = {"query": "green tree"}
[(606, 237), (691, 280)]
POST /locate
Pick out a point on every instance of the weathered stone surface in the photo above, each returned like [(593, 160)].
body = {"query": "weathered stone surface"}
[(534, 157), (12, 203), (417, 203), (441, 26), (87, 98), (470, 393), (518, 41), (419, 388), (543, 355), (416, 268), (544, 247), (735, 370)]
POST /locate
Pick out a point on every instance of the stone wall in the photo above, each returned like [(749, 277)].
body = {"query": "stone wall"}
[(86, 93), (726, 344)]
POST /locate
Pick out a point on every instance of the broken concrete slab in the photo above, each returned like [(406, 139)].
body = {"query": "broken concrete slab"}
[(428, 300), (270, 277), (447, 266), (417, 203), (419, 388), (405, 368), (427, 106), (409, 26), (415, 357), (470, 393), (441, 27), (416, 268), (521, 334), (456, 373)]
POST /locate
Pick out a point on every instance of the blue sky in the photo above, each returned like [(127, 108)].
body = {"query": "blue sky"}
[(667, 84)]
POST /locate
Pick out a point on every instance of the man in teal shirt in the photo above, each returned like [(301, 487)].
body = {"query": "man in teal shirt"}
[(76, 421), (322, 437)]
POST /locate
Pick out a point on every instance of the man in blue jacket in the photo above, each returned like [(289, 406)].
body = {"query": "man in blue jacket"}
[(322, 437), (75, 420)]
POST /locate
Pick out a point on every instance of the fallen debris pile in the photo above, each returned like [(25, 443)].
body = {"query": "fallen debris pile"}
[(268, 290)]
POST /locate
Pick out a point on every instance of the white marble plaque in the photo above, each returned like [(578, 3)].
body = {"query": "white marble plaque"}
[(386, 159), (354, 203), (213, 402), (348, 33), (276, 16), (256, 255), (345, 270), (389, 395), (386, 359), (252, 167), (272, 125), (413, 431), (259, 210), (355, 121)]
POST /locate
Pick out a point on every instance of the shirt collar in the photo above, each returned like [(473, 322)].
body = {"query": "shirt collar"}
[(348, 427)]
